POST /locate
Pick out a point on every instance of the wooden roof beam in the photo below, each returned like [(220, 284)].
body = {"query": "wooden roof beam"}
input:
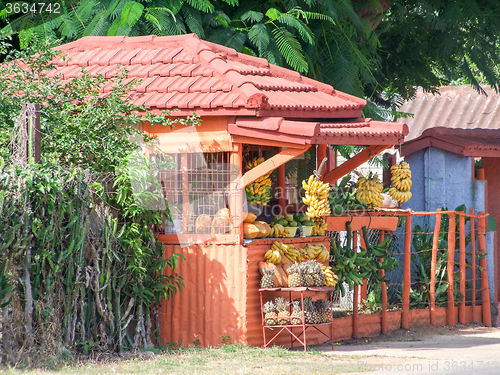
[(354, 162), (271, 164)]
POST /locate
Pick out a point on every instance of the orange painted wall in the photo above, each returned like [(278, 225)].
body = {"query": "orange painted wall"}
[(211, 136), (212, 304)]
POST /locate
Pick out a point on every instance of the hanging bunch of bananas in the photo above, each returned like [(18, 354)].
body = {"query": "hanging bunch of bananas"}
[(258, 192), (316, 197), (319, 228), (375, 253), (401, 182), (287, 250), (317, 251), (370, 190), (278, 231), (330, 277)]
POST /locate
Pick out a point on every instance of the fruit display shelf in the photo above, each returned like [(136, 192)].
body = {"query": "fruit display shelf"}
[(300, 336)]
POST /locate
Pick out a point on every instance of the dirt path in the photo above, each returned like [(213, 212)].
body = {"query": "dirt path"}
[(465, 349)]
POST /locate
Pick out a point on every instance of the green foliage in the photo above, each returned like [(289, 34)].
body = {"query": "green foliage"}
[(79, 126), (79, 260)]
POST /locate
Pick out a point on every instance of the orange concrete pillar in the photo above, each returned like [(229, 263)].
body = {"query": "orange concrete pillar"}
[(355, 307), (473, 256)]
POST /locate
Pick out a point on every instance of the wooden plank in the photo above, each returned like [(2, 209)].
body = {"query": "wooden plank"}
[(473, 260), (355, 297), (236, 198), (485, 291), (405, 314), (270, 165), (383, 288), (435, 242), (461, 229), (264, 142), (450, 268), (337, 223), (354, 162)]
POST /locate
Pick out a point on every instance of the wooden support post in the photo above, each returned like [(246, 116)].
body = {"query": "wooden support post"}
[(450, 269), (271, 164), (353, 163), (281, 189), (461, 233), (485, 291), (405, 314), (236, 198), (383, 287), (355, 298), (435, 243), (185, 192), (473, 256)]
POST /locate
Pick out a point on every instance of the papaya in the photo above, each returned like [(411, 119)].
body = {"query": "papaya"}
[(263, 265), (283, 276), (264, 228), (250, 231), (249, 217)]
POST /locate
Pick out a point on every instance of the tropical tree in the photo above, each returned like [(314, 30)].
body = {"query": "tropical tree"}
[(378, 49)]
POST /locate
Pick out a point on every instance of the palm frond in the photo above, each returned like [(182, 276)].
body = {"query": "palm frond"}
[(290, 48), (193, 20), (258, 36)]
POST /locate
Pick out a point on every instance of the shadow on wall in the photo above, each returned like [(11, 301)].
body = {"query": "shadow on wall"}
[(210, 309)]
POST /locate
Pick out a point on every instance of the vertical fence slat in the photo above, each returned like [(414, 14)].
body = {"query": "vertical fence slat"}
[(383, 287), (473, 248), (485, 293), (435, 244), (461, 223), (355, 317), (364, 286), (450, 267), (406, 275)]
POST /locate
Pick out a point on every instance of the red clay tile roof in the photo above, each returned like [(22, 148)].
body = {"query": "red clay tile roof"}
[(460, 107), (465, 142), (360, 131), (188, 74)]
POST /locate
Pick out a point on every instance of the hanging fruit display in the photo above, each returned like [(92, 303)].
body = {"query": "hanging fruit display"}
[(401, 182), (370, 190), (319, 228), (258, 192), (316, 197)]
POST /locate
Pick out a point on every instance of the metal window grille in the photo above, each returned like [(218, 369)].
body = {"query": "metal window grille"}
[(200, 184)]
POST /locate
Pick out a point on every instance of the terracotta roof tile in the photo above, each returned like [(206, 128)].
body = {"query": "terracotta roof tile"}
[(459, 107), (215, 77)]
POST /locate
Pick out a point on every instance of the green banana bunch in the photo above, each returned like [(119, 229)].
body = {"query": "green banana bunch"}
[(342, 198), (381, 250)]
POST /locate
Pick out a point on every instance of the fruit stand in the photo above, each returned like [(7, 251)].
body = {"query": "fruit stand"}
[(256, 118)]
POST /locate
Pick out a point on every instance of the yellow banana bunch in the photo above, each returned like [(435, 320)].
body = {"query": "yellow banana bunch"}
[(273, 256), (369, 190), (318, 252), (330, 277), (319, 228), (258, 192), (316, 197), (287, 250), (278, 231), (401, 182)]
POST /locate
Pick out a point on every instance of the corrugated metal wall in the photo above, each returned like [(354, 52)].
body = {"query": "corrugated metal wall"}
[(256, 250), (212, 304)]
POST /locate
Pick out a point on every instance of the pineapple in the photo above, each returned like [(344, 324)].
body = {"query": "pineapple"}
[(323, 309), (283, 313), (308, 310), (305, 278), (317, 275), (270, 312), (293, 276), (267, 280), (296, 312)]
